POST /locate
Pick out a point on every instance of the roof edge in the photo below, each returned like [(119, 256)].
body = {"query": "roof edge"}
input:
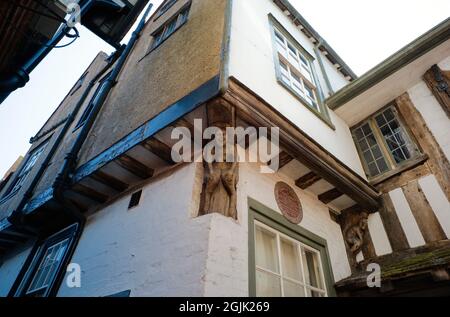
[(419, 47), (321, 43)]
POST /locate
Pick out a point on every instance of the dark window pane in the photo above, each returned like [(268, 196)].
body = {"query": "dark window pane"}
[(382, 165), (406, 152), (363, 145), (377, 152), (371, 140), (380, 120), (394, 126), (373, 170), (398, 156), (368, 157), (389, 114), (386, 131), (366, 129), (359, 134)]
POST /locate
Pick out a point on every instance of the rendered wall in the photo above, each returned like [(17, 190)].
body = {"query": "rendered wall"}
[(156, 249), (435, 117), (227, 266), (252, 63), (148, 84)]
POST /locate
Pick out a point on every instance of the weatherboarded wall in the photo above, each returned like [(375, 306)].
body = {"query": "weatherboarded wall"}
[(152, 82)]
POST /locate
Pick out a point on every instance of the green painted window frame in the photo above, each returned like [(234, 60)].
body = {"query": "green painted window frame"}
[(394, 168), (259, 212), (323, 114)]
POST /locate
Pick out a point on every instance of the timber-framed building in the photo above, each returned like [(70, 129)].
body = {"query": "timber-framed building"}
[(364, 173)]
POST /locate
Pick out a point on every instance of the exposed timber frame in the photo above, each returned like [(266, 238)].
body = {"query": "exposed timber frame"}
[(438, 81)]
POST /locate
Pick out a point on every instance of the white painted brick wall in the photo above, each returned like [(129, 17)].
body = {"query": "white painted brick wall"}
[(156, 249), (227, 265)]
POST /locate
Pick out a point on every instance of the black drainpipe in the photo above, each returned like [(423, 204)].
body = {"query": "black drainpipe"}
[(63, 178), (20, 78)]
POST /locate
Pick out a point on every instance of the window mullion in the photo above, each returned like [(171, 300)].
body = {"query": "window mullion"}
[(300, 250), (280, 263), (382, 144)]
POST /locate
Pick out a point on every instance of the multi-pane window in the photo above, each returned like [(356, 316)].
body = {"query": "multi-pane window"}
[(48, 264), (285, 267), (169, 28), (383, 143), (48, 268), (27, 167), (295, 70)]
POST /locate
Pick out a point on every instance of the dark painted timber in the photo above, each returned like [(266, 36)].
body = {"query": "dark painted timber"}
[(134, 167), (308, 180), (172, 114), (160, 149), (331, 195), (110, 181)]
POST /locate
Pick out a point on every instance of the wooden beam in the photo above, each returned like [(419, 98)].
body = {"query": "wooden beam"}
[(285, 159), (423, 213), (438, 162), (307, 180), (183, 123), (160, 149), (330, 195), (439, 83), (90, 193), (392, 225), (77, 204), (135, 167), (110, 181)]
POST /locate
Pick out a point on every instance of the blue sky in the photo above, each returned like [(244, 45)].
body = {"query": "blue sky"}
[(362, 32)]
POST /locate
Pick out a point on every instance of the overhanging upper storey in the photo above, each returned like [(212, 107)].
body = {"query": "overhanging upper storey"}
[(392, 77)]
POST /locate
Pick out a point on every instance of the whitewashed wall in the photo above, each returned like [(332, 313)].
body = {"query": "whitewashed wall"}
[(432, 112), (10, 267), (438, 202), (227, 268), (251, 62), (156, 249)]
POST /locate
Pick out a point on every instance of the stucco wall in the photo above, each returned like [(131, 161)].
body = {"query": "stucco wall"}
[(148, 84), (156, 249), (252, 62)]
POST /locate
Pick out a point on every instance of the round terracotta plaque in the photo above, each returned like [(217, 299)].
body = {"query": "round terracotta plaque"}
[(288, 202)]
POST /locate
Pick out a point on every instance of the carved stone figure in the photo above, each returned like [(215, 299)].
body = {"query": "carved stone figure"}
[(354, 234), (220, 189)]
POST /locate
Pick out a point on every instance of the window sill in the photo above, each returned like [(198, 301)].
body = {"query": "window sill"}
[(320, 115), (408, 165)]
